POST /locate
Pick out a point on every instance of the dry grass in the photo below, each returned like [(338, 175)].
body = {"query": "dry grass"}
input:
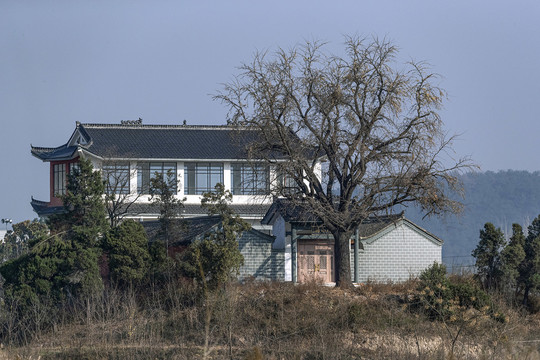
[(277, 321)]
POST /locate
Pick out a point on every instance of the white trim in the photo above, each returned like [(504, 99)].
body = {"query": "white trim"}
[(133, 180), (395, 225), (227, 176), (173, 159), (180, 179), (288, 255), (71, 141)]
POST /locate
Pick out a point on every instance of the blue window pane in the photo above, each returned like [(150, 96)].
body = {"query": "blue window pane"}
[(202, 177), (165, 170), (250, 179)]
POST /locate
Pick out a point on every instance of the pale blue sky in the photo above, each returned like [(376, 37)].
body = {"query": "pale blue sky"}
[(105, 61)]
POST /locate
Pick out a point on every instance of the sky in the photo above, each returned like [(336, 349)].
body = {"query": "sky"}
[(107, 61)]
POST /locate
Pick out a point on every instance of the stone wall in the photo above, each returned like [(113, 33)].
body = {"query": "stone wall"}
[(261, 262), (397, 255)]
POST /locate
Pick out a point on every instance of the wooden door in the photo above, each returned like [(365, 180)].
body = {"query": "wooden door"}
[(315, 261)]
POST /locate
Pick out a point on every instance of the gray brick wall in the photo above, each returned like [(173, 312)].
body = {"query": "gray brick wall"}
[(260, 260), (396, 256)]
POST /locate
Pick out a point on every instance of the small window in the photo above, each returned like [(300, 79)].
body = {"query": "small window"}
[(59, 176)]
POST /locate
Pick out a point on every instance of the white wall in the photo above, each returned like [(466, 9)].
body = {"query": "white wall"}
[(278, 230), (397, 255)]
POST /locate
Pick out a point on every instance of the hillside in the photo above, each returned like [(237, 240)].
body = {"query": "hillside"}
[(502, 198), (258, 321)]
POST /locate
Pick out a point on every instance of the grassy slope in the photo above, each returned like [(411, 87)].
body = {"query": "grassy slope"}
[(279, 321)]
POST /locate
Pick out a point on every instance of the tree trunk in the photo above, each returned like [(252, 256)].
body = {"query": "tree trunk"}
[(343, 259), (526, 295)]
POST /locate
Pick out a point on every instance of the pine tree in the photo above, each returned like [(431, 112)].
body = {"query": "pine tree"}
[(36, 274), (529, 271), (512, 257), (64, 262), (18, 241), (217, 256), (163, 195), (487, 254), (85, 223), (127, 249)]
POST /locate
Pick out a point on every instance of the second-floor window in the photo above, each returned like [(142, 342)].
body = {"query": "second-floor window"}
[(116, 177), (250, 179), (146, 171), (287, 184), (202, 177), (59, 176)]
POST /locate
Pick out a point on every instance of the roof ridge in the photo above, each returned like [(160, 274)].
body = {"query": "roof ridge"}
[(44, 148), (397, 216), (162, 126)]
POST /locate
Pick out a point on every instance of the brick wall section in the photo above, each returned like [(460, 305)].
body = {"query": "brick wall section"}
[(396, 256), (260, 260)]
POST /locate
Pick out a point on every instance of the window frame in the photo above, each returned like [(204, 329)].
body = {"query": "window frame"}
[(202, 177), (247, 178), (114, 168), (146, 171), (59, 179)]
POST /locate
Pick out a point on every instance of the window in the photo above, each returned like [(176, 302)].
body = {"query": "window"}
[(116, 177), (202, 177), (59, 175), (147, 171), (287, 184), (250, 179)]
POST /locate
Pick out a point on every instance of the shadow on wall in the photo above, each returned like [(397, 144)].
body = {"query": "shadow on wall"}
[(261, 261)]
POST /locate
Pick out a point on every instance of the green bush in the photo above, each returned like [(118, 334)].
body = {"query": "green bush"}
[(127, 248), (435, 292), (442, 299)]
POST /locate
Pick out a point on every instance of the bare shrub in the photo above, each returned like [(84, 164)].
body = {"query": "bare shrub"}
[(264, 320)]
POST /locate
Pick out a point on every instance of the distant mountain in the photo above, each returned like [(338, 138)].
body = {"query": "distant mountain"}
[(502, 198)]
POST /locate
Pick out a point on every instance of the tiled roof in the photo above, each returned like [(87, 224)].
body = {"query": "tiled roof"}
[(187, 229), (42, 208), (297, 213), (289, 212), (190, 229), (63, 152), (157, 142), (190, 210), (374, 224)]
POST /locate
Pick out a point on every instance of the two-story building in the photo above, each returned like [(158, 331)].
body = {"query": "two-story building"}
[(130, 154), (281, 246)]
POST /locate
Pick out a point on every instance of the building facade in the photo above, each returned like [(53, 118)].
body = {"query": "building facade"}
[(383, 248), (193, 159), (282, 245)]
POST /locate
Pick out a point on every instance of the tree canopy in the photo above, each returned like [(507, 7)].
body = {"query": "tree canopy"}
[(23, 236), (163, 195), (216, 258), (64, 261), (372, 122), (488, 255), (127, 250)]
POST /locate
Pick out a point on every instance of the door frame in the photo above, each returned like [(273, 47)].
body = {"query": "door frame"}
[(326, 261)]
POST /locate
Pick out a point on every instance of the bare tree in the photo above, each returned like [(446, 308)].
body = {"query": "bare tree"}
[(118, 197), (375, 127)]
